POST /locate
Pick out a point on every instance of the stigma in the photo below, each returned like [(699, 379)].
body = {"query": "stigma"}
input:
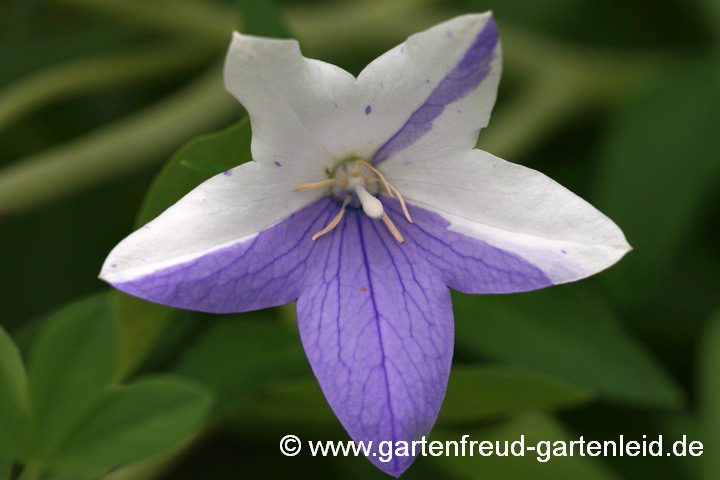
[(358, 179)]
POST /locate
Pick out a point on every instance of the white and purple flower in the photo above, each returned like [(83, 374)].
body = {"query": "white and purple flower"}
[(366, 203)]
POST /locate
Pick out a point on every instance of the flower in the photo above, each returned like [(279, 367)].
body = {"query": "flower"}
[(366, 203)]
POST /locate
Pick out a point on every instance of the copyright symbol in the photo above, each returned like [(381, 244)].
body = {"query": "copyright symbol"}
[(290, 445)]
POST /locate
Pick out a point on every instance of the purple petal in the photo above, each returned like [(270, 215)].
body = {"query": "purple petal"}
[(462, 262), (264, 271), (472, 69), (377, 326)]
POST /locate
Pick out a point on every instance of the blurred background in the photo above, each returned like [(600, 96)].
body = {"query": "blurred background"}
[(618, 101)]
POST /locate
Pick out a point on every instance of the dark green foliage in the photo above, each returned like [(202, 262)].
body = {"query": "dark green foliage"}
[(111, 380)]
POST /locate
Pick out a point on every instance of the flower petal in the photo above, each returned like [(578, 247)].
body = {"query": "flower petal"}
[(516, 209), (435, 91), (227, 246), (309, 111), (464, 262), (376, 324), (294, 103)]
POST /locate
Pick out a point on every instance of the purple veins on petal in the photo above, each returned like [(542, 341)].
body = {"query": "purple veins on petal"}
[(470, 71), (381, 355), (382, 352), (465, 263), (266, 270)]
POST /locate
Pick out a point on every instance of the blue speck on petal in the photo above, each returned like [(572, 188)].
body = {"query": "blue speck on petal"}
[(368, 109), (278, 164), (228, 173)]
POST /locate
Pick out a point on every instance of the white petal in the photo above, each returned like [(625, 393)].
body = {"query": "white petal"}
[(309, 111), (228, 208), (294, 103), (436, 90), (516, 209)]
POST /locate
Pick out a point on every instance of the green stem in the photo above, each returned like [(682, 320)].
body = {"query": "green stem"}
[(117, 149), (207, 21), (92, 75), (529, 117), (212, 23), (374, 24), (564, 76)]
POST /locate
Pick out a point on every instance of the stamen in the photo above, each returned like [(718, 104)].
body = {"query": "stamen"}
[(380, 176), (352, 179), (315, 185), (393, 229), (392, 191), (402, 204), (335, 221)]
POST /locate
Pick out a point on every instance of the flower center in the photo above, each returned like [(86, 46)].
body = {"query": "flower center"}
[(358, 179)]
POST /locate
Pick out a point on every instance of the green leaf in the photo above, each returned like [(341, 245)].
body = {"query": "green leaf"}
[(660, 165), (135, 422), (240, 355), (566, 333), (197, 161), (70, 476), (475, 393), (72, 362), (5, 469), (14, 406), (535, 428), (485, 392), (709, 386), (292, 401), (142, 323)]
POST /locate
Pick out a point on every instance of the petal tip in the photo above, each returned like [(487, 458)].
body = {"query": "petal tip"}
[(393, 468)]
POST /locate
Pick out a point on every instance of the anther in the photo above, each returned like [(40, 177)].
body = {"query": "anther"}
[(315, 185), (335, 221)]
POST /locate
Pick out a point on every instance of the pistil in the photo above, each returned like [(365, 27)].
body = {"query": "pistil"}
[(372, 207), (356, 177)]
